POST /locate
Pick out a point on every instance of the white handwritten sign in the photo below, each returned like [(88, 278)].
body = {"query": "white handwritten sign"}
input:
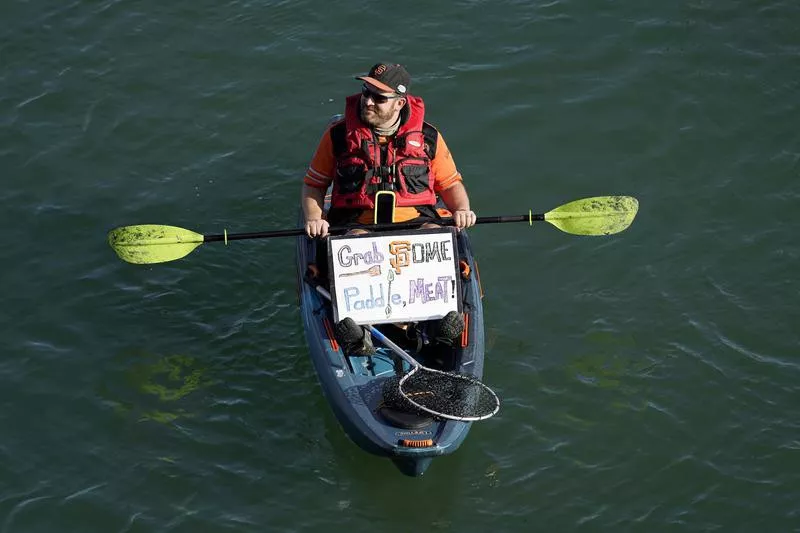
[(402, 276)]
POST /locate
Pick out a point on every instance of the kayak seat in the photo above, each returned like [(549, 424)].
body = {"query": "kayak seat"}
[(404, 419), (397, 411)]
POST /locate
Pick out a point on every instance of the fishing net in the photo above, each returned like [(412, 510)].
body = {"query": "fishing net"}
[(447, 395)]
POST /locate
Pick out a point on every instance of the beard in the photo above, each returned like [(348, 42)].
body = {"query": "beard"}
[(373, 115)]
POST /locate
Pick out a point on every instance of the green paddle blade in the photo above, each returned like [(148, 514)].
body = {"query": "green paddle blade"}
[(151, 243), (601, 215)]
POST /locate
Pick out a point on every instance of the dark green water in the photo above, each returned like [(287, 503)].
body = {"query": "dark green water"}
[(649, 380)]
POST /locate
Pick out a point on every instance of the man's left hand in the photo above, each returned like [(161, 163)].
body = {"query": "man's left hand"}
[(464, 218)]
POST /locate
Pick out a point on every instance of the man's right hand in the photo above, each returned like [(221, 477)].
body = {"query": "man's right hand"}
[(317, 228)]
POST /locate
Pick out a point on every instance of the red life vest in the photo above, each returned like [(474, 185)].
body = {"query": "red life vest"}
[(364, 166)]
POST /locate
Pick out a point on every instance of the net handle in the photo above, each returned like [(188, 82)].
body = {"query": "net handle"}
[(378, 335)]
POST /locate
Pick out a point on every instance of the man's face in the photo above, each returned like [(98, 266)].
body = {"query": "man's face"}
[(379, 108)]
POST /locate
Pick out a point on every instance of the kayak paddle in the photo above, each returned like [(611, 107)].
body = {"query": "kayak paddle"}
[(152, 243)]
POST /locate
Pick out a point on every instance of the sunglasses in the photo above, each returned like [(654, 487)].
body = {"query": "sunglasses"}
[(377, 98)]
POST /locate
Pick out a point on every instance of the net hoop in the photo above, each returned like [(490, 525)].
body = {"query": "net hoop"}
[(451, 376)]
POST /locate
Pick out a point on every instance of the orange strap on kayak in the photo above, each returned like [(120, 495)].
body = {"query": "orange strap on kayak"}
[(465, 270), (465, 333), (331, 336), (313, 271)]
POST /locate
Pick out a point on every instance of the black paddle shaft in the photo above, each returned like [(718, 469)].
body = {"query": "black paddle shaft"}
[(336, 230)]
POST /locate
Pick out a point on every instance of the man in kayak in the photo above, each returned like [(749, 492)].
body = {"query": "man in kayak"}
[(383, 144)]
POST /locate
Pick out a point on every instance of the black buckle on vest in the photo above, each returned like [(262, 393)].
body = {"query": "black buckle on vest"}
[(372, 184), (385, 175)]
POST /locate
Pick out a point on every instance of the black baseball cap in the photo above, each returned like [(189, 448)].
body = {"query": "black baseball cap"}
[(388, 78)]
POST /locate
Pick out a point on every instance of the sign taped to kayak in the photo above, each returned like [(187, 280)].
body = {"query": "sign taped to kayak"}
[(399, 276)]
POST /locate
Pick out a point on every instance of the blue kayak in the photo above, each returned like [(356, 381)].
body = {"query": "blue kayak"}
[(358, 388)]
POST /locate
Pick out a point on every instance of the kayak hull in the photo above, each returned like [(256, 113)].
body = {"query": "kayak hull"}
[(354, 385)]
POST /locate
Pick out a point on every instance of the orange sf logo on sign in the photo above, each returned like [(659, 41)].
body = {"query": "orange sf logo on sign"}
[(400, 252)]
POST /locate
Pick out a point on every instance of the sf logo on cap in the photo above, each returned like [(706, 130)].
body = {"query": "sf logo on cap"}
[(380, 69)]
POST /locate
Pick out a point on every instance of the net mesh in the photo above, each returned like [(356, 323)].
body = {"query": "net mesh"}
[(447, 395)]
